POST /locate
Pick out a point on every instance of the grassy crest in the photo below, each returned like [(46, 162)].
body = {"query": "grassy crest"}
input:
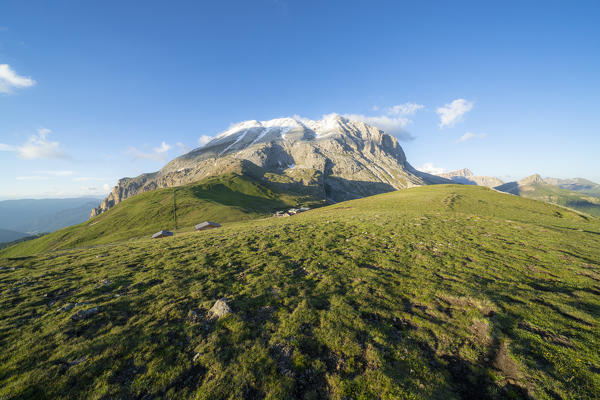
[(441, 292), (580, 201), (225, 198)]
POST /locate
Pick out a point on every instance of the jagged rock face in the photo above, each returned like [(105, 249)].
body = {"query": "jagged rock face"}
[(465, 172), (531, 180), (466, 177), (334, 158)]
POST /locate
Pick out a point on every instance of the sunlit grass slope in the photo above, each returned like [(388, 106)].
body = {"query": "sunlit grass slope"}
[(438, 292), (222, 199), (580, 201)]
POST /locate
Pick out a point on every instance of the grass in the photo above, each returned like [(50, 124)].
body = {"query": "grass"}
[(221, 199), (442, 292), (580, 201)]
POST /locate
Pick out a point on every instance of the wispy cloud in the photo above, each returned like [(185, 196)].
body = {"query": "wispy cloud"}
[(392, 120), (182, 148), (204, 139), (453, 112), (392, 125), (37, 146), (431, 169), (10, 80), (159, 153), (471, 135), (7, 147), (405, 109)]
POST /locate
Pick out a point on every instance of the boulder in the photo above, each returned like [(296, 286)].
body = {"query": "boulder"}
[(220, 308)]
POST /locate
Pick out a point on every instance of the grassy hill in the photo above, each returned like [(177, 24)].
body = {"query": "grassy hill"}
[(579, 185), (553, 194), (438, 292), (221, 199)]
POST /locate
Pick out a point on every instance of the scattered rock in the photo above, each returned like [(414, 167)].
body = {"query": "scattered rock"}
[(196, 356), (83, 314), (220, 308)]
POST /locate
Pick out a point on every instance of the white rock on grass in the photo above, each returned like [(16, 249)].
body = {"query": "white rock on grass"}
[(220, 308)]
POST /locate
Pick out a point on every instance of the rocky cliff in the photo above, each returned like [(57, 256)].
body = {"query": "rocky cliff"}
[(466, 177), (334, 159)]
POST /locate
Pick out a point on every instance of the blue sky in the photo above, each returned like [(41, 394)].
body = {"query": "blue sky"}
[(94, 91)]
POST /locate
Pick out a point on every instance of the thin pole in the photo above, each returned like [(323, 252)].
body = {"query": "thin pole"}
[(174, 209)]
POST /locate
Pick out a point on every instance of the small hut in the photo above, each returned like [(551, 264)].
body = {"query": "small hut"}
[(161, 234), (206, 225)]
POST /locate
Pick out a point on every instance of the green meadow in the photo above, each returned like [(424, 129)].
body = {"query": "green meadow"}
[(436, 292)]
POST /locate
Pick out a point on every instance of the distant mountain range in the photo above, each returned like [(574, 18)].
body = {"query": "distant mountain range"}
[(7, 235), (580, 185), (536, 187), (576, 193), (466, 177), (20, 218)]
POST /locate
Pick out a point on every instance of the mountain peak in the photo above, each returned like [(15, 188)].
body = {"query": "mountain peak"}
[(531, 180), (465, 172), (334, 159)]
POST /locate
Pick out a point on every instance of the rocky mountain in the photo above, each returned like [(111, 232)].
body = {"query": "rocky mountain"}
[(334, 159), (535, 187), (580, 185), (466, 177), (526, 184)]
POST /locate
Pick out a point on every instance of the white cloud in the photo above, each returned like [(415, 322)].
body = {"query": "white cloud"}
[(163, 148), (392, 125), (431, 169), (106, 187), (204, 139), (157, 154), (453, 112), (405, 109), (470, 135), (10, 80), (37, 146), (393, 120)]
